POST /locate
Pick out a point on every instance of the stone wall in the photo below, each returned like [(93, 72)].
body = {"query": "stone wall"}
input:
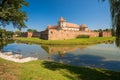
[(24, 34), (30, 34), (36, 34), (44, 35), (106, 34), (53, 34), (63, 34)]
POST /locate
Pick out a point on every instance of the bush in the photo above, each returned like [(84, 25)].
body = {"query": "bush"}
[(83, 36)]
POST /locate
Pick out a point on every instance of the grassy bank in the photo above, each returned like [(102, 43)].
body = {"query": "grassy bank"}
[(82, 41), (44, 70)]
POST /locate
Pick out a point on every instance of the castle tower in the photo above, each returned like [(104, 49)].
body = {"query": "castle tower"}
[(48, 27), (83, 27), (62, 22)]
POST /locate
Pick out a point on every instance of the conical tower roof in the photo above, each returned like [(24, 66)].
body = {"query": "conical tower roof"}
[(62, 19), (83, 25)]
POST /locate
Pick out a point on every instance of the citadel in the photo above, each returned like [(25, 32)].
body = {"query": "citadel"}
[(65, 30)]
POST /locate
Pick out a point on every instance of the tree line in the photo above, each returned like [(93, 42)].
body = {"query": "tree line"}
[(9, 34), (4, 34)]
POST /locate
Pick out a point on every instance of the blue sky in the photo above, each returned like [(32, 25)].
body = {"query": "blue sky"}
[(94, 14)]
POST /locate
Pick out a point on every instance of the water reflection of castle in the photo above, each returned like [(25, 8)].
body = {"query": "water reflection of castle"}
[(62, 50)]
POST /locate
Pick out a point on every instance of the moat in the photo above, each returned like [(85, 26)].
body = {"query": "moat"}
[(105, 55)]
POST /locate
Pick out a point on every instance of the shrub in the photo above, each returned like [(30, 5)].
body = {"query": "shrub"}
[(83, 36)]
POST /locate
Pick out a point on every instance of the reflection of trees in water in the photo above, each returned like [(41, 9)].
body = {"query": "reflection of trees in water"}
[(4, 43), (117, 42), (89, 60), (109, 42)]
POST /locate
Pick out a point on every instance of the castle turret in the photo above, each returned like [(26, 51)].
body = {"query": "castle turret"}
[(83, 27), (62, 22), (62, 19), (48, 27)]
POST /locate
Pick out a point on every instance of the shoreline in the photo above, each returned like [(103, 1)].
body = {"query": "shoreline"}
[(77, 41), (16, 57)]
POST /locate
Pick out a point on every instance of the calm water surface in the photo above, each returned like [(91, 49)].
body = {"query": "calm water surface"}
[(101, 55)]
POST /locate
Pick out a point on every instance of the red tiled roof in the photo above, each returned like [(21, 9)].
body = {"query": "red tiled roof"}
[(52, 27), (71, 25)]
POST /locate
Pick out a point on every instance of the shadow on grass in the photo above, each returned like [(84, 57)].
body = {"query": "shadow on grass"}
[(89, 60), (83, 73)]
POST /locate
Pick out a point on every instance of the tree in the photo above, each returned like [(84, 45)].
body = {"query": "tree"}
[(2, 33), (96, 30), (32, 30), (18, 32), (29, 30), (113, 32), (115, 14), (100, 30), (107, 30), (9, 34), (11, 12)]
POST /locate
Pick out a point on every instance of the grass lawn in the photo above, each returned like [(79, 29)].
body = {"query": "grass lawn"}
[(82, 41), (44, 70)]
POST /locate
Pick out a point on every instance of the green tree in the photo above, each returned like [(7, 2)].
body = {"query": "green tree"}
[(32, 30), (113, 32), (115, 14), (2, 33), (95, 30), (18, 32), (100, 30), (107, 30), (29, 30), (9, 34), (11, 12)]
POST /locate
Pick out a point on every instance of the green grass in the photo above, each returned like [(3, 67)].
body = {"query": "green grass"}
[(44, 70), (82, 41)]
